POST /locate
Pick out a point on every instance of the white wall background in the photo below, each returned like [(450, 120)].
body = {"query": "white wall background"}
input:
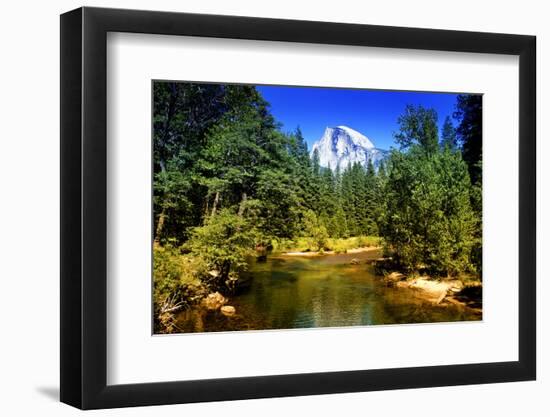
[(29, 219)]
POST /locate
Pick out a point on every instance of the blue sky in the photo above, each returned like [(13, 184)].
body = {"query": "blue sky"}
[(374, 113)]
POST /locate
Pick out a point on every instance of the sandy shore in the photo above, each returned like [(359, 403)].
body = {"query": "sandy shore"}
[(330, 252)]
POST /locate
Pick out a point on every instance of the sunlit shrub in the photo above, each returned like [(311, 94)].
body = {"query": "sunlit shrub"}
[(176, 283)]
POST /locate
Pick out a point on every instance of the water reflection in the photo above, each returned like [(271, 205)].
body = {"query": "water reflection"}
[(302, 292)]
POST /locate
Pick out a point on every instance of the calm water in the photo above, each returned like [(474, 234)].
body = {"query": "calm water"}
[(289, 292)]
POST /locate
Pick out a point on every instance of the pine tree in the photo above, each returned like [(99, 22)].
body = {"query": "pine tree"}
[(448, 135), (348, 201), (315, 163), (418, 125), (469, 116), (370, 227)]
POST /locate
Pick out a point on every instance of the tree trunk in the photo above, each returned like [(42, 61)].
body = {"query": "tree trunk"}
[(215, 204), (206, 209), (242, 205), (225, 269), (160, 226), (162, 216)]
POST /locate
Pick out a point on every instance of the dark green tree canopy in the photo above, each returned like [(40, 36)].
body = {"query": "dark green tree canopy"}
[(469, 132), (418, 125)]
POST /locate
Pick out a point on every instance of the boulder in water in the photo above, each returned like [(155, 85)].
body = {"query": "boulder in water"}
[(228, 310), (214, 300)]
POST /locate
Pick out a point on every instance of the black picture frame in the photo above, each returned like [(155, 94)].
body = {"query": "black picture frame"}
[(84, 207)]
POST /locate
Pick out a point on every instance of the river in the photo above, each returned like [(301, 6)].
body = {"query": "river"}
[(288, 292)]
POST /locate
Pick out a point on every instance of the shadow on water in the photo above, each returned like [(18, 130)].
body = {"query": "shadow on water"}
[(287, 292)]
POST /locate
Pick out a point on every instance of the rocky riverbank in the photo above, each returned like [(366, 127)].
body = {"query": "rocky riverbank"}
[(216, 301), (440, 291)]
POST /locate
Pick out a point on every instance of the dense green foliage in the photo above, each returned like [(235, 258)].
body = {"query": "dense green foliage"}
[(428, 221), (418, 126), (469, 133), (235, 157), (223, 243), (228, 183)]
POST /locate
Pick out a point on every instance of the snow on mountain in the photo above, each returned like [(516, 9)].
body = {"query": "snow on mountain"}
[(344, 146)]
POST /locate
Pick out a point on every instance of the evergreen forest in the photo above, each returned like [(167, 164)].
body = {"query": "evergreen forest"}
[(230, 185)]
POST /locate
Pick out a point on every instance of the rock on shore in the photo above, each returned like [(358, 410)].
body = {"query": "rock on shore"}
[(228, 310), (214, 300), (432, 290)]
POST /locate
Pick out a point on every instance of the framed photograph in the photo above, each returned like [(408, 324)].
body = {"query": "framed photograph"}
[(257, 208)]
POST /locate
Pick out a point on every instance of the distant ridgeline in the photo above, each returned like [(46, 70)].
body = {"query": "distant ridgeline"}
[(342, 146)]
